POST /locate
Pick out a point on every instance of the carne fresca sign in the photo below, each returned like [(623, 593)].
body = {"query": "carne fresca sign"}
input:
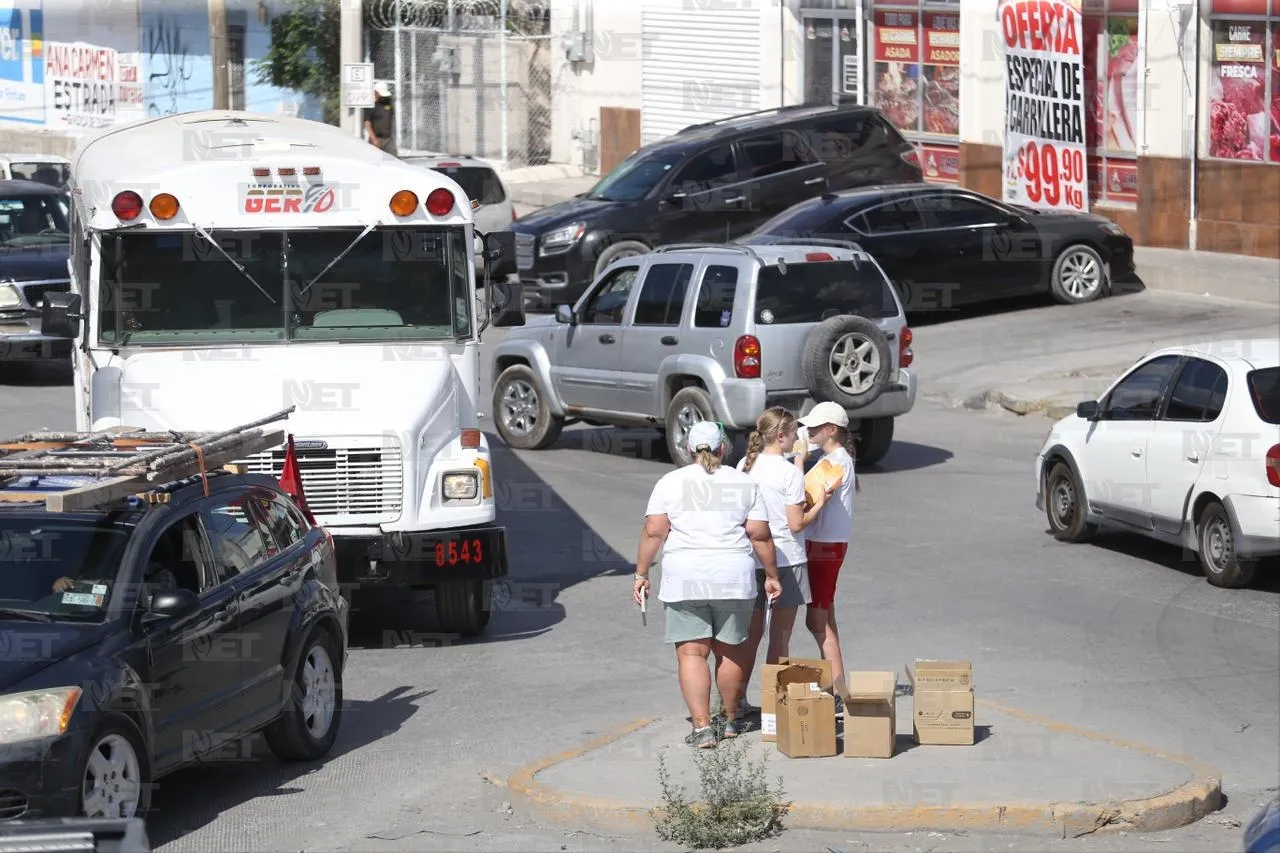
[(317, 198)]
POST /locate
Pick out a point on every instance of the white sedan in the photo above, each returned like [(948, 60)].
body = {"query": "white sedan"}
[(1183, 448)]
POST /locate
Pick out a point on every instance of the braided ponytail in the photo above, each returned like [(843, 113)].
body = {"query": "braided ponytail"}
[(754, 445), (769, 426)]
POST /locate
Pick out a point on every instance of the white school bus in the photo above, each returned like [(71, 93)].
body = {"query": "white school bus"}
[(226, 265)]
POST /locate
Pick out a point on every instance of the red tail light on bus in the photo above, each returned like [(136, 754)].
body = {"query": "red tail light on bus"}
[(440, 202), (126, 205)]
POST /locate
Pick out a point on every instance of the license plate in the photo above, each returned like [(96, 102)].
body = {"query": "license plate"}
[(459, 551)]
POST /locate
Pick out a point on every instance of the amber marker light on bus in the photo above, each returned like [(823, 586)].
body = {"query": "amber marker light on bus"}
[(440, 202), (404, 203), (164, 206), (126, 205)]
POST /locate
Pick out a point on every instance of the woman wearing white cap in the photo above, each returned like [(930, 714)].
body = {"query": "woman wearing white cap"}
[(827, 538), (713, 523), (380, 122)]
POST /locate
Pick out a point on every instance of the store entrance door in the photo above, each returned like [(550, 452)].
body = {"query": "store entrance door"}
[(833, 66)]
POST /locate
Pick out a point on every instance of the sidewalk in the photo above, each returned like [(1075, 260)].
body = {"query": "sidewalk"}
[(1211, 274), (1026, 775)]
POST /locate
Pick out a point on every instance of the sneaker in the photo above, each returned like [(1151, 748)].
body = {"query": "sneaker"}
[(704, 738), (733, 728)]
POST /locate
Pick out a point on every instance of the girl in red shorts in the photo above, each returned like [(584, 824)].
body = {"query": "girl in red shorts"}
[(827, 538)]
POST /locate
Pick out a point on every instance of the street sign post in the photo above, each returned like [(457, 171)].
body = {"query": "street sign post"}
[(357, 85)]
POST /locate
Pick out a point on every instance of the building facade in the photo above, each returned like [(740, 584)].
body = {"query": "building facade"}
[(1182, 115), (70, 68)]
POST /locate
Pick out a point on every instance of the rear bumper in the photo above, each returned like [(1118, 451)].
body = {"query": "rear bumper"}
[(1257, 521), (424, 558), (742, 400)]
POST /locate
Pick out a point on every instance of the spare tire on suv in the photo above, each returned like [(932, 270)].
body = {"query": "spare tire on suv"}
[(847, 360)]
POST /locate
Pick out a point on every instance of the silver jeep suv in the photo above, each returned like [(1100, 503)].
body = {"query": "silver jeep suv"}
[(696, 332)]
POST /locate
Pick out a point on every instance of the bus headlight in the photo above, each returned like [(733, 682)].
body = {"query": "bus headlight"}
[(461, 486), (36, 714)]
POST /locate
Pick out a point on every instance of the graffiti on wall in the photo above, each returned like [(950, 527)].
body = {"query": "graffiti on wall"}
[(169, 65)]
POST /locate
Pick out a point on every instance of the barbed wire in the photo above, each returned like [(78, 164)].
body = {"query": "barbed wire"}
[(468, 15)]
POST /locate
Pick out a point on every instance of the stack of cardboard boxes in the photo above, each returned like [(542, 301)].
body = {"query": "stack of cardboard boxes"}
[(799, 714)]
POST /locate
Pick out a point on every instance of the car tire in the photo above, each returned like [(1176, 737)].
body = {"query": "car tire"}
[(1064, 506), (121, 750), (463, 607), (688, 406), (1216, 542), (301, 732), (859, 344), (625, 249), (521, 413), (1078, 275), (875, 435)]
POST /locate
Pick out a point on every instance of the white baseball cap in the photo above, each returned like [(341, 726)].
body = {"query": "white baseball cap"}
[(825, 413), (381, 89), (705, 435)]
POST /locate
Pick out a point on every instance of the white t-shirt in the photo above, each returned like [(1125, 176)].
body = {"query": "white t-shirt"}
[(835, 522), (707, 554), (782, 485)]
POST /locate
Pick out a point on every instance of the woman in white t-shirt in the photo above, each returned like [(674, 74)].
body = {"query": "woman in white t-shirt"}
[(712, 525), (827, 539)]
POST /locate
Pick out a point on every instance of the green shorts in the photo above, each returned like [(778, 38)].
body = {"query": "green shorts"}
[(727, 620)]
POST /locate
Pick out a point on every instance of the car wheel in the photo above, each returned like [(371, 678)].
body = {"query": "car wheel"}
[(1065, 506), (688, 406), (463, 607), (625, 249), (875, 435), (116, 772), (520, 411), (847, 360), (1218, 558), (1078, 275), (308, 726)]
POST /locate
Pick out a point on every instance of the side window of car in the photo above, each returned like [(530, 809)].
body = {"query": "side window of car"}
[(178, 559), (955, 211), (894, 217), (605, 306), (837, 137), (714, 309), (706, 171), (775, 152), (662, 295), (284, 521), (238, 536), (1198, 394), (1137, 397)]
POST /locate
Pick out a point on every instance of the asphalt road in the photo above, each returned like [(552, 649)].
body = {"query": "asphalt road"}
[(950, 559)]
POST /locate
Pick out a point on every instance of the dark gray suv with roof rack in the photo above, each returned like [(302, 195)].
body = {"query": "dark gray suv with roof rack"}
[(712, 182)]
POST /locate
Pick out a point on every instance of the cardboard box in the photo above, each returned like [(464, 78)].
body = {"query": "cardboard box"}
[(769, 689), (870, 715), (942, 693), (825, 682), (820, 478), (806, 718)]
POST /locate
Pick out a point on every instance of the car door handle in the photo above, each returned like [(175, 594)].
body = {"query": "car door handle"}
[(607, 339), (670, 341), (1137, 452), (813, 181), (224, 614), (735, 200)]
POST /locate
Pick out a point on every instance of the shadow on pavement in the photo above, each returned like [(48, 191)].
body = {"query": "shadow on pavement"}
[(1266, 579), (196, 796), (934, 316), (907, 456)]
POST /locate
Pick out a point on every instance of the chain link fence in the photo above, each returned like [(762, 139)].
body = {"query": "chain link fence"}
[(468, 76)]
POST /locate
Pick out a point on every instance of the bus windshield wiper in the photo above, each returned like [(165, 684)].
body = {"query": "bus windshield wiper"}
[(333, 263), (244, 272)]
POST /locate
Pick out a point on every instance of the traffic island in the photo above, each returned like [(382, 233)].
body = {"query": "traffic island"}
[(1025, 775)]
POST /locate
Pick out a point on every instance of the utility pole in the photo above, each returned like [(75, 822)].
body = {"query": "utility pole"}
[(350, 50), (219, 51)]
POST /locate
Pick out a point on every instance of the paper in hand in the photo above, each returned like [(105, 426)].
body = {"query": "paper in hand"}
[(644, 619)]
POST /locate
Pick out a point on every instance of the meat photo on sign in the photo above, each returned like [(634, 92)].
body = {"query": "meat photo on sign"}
[(1120, 92), (942, 99), (1238, 113), (897, 93), (1275, 93)]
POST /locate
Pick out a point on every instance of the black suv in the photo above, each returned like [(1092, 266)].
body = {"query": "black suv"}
[(147, 635), (711, 182)]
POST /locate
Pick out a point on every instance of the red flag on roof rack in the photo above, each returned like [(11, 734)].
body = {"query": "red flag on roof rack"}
[(291, 480)]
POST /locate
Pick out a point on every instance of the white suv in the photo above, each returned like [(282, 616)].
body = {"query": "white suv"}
[(1184, 448)]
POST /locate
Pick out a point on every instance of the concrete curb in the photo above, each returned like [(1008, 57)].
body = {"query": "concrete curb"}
[(1017, 405), (1183, 805)]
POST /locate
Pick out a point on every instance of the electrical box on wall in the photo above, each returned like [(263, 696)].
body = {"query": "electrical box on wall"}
[(577, 46)]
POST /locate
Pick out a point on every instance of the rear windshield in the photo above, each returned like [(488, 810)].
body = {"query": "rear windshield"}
[(1264, 389), (812, 292), (479, 183)]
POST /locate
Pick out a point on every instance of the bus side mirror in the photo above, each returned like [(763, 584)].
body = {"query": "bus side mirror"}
[(500, 254), (60, 315)]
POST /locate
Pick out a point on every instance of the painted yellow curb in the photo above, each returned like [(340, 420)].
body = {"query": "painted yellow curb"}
[(1183, 805)]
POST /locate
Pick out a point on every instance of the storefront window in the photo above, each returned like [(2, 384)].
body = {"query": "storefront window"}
[(1111, 91), (1244, 81)]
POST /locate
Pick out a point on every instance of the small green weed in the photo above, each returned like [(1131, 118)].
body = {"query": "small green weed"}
[(737, 804)]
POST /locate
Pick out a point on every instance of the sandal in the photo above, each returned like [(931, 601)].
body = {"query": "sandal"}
[(704, 738), (733, 728)]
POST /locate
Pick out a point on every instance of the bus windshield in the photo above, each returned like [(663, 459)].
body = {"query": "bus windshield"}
[(323, 285)]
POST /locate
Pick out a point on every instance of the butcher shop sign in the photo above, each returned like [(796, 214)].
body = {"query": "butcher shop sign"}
[(1044, 137)]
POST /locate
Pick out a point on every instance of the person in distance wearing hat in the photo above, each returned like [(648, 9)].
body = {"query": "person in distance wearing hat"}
[(380, 122), (712, 524)]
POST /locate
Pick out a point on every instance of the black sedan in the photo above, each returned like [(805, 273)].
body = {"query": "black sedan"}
[(136, 640), (946, 246)]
